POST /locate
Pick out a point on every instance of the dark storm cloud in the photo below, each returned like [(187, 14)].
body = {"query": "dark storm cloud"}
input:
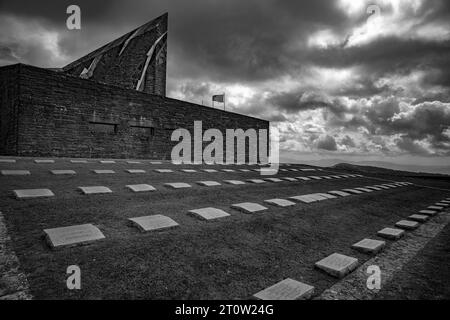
[(327, 143)]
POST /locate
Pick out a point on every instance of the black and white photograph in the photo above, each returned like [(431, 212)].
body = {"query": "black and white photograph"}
[(223, 155)]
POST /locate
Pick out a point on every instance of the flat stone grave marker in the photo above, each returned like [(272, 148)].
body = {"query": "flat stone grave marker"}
[(445, 201), (248, 207), (134, 162), (163, 170), (228, 170), (317, 197), (257, 181), (103, 171), (209, 213), (73, 235), (353, 191), (391, 233), (189, 170), (153, 223), (274, 180), (369, 246), (428, 212), (441, 204), (340, 193), (210, 170), (107, 162), (7, 161), (63, 172), (155, 162), (336, 177), (289, 179), (94, 190), (257, 170), (304, 199), (326, 195), (303, 178), (234, 182), (327, 177), (244, 170), (135, 171), (33, 193), (383, 187), (315, 177), (44, 161), (308, 169), (78, 161), (435, 208), (364, 189), (337, 265), (280, 202), (407, 225), (178, 185), (374, 188), (208, 183), (288, 289), (419, 217), (15, 173), (141, 187)]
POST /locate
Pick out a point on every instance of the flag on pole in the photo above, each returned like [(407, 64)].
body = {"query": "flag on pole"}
[(219, 98)]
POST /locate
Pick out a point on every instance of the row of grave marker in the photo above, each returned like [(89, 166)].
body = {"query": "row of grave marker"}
[(157, 222), (45, 193), (140, 171)]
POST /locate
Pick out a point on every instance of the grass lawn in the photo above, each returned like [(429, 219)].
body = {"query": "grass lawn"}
[(230, 258)]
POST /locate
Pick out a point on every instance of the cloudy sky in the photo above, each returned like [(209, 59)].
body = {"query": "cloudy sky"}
[(346, 79)]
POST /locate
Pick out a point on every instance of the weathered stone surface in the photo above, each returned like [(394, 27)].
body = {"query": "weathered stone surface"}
[(134, 162), (419, 217), (303, 178), (369, 246), (244, 170), (353, 191), (178, 185), (103, 171), (256, 181), (209, 213), (273, 179), (340, 193), (210, 170), (248, 207), (407, 225), (33, 193), (141, 188), (209, 183), (280, 202), (45, 161), (315, 177), (304, 199), (337, 265), (308, 170), (164, 170), (228, 170), (7, 161), (327, 177), (442, 204), (326, 195), (374, 188), (289, 179), (95, 190), (63, 172), (156, 222), (437, 208), (135, 171), (107, 162), (317, 197), (287, 289), (73, 235), (428, 212), (155, 162), (364, 189), (78, 161), (234, 182), (189, 170), (15, 173), (391, 233)]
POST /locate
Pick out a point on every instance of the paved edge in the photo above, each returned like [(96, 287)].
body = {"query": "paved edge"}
[(13, 283), (391, 260)]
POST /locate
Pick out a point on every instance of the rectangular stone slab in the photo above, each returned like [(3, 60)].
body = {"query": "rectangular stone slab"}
[(369, 246), (289, 179), (340, 193), (244, 170), (315, 177), (442, 204), (327, 177), (407, 225), (95, 190), (44, 161), (189, 170), (234, 182), (63, 172), (155, 162), (178, 185), (303, 198), (428, 212), (15, 173), (73, 235), (317, 197), (391, 233), (209, 183), (209, 213), (135, 171), (326, 195), (374, 188), (103, 171), (78, 161), (141, 188), (303, 178), (337, 265), (228, 170), (364, 189), (153, 223), (163, 170), (248, 207), (256, 181), (437, 208), (33, 193), (107, 162), (7, 161), (210, 170), (419, 217), (274, 180), (280, 202), (288, 289), (134, 162), (353, 191)]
